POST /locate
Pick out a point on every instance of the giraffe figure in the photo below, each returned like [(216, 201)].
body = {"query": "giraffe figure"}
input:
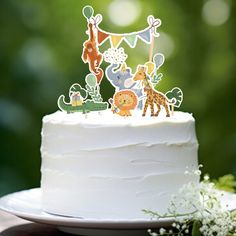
[(153, 96)]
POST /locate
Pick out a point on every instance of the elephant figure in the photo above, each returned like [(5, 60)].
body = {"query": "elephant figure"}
[(121, 78)]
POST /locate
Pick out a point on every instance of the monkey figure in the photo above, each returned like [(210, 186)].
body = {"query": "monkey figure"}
[(92, 55)]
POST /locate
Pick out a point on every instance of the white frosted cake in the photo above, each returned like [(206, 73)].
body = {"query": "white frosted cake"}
[(101, 165)]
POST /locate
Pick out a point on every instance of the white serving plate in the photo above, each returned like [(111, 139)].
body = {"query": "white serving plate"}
[(27, 205)]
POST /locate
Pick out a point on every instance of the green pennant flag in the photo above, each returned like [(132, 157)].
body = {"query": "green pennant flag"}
[(131, 40)]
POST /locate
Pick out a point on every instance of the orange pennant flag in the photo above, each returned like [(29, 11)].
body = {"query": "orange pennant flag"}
[(116, 40), (101, 36)]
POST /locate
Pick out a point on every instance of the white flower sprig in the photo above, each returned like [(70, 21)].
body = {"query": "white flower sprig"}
[(115, 56), (197, 208)]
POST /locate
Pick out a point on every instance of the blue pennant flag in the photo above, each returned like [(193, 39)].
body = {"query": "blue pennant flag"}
[(145, 36)]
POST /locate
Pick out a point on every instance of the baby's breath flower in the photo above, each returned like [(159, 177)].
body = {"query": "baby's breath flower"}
[(184, 226), (206, 177), (154, 234), (197, 172), (200, 202), (162, 231)]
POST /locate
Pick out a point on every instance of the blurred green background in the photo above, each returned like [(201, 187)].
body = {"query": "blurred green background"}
[(40, 57)]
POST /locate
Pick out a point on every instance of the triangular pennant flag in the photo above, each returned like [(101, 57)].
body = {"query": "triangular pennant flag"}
[(131, 40), (116, 40), (145, 35), (101, 36)]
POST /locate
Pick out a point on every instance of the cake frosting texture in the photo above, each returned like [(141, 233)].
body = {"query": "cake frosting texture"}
[(110, 166)]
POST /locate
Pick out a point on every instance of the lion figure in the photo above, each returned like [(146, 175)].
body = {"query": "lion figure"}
[(125, 100)]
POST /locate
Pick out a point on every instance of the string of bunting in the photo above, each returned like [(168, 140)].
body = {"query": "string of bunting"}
[(131, 39)]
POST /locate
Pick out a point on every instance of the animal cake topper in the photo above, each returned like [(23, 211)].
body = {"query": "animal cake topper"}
[(154, 97), (92, 56), (78, 97), (123, 102), (134, 90)]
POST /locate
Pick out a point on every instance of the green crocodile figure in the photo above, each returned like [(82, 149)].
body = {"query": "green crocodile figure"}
[(86, 107)]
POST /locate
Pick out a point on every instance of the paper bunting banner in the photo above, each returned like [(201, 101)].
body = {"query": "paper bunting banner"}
[(145, 36), (116, 40), (130, 38), (101, 36), (155, 23)]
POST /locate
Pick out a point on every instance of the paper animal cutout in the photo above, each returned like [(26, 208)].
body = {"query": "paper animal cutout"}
[(92, 56), (121, 78), (78, 97), (123, 102), (153, 96)]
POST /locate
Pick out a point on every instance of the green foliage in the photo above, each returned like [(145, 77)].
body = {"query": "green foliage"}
[(93, 88), (226, 183), (156, 78), (175, 94), (195, 228), (94, 93)]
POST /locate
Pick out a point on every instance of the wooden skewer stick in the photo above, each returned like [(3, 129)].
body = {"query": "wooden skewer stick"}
[(172, 110), (151, 48)]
